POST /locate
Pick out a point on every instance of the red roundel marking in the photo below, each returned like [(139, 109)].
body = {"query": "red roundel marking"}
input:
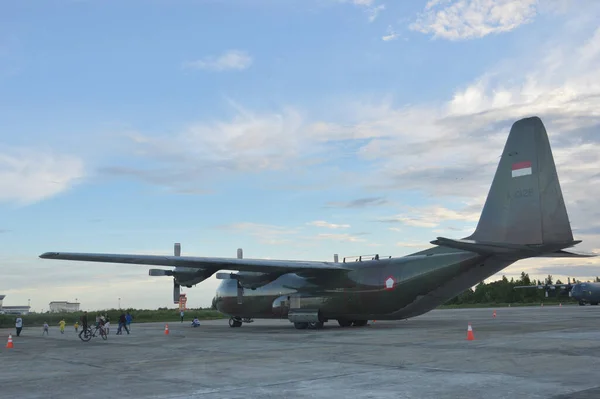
[(390, 283)]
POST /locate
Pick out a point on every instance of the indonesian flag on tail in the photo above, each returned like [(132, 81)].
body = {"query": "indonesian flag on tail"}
[(521, 168)]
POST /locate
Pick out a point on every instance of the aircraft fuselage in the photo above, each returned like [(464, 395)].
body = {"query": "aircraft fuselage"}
[(586, 293), (387, 289)]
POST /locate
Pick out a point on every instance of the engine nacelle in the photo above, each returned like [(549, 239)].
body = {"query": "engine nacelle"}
[(250, 280)]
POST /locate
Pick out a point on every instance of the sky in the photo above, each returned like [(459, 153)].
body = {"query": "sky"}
[(294, 129)]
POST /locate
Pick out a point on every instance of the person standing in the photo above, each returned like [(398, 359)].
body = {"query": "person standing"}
[(84, 321), (19, 325), (128, 319), (122, 324), (181, 314), (62, 323)]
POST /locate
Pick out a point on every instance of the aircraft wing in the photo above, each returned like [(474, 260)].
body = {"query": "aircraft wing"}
[(250, 265)]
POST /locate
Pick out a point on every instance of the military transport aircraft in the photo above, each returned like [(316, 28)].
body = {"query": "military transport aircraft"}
[(524, 216), (581, 292)]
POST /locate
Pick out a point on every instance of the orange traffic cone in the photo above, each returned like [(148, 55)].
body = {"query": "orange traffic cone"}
[(494, 314), (470, 336), (9, 344), (166, 329)]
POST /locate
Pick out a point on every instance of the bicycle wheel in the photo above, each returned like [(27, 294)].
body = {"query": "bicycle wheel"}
[(85, 335)]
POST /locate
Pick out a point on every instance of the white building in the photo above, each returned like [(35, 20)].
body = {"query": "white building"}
[(22, 310), (63, 306)]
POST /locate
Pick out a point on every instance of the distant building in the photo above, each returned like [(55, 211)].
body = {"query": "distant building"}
[(64, 306), (22, 310)]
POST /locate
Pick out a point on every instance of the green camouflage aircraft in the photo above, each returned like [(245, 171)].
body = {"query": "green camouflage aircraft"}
[(583, 293), (524, 216)]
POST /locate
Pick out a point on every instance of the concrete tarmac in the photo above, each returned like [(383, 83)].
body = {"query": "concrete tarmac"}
[(536, 352)]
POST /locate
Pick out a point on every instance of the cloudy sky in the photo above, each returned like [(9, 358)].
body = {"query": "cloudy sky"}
[(294, 129)]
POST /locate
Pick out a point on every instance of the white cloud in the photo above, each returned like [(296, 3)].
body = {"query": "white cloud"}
[(264, 233), (431, 216), (391, 35), (467, 19), (341, 237), (448, 149), (28, 176), (372, 10), (229, 60), (411, 244), (321, 223)]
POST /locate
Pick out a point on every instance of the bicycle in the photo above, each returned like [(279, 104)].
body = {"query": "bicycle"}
[(88, 334)]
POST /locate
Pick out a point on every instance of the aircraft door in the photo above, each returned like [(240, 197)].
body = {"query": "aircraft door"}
[(281, 306)]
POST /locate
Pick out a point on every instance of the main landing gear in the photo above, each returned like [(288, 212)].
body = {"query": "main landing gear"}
[(237, 321)]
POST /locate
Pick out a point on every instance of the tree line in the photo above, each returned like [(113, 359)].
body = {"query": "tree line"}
[(502, 291)]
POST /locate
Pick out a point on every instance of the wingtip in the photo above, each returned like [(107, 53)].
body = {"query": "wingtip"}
[(48, 255)]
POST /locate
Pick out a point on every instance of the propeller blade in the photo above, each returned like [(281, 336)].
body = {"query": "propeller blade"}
[(176, 292), (176, 287)]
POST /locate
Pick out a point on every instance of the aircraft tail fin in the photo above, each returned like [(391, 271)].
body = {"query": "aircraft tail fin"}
[(525, 204)]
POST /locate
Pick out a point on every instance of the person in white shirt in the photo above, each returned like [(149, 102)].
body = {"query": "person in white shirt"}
[(19, 325)]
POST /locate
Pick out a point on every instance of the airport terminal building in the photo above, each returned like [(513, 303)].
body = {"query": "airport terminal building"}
[(63, 306), (22, 310)]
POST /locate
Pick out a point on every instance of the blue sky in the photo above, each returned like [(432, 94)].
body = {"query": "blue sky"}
[(294, 129)]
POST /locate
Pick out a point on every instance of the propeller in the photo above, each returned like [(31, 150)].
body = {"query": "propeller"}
[(240, 289), (176, 287)]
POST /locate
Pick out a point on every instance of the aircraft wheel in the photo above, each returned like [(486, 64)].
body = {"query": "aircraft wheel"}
[(301, 326), (344, 323), (360, 323), (316, 326), (234, 323)]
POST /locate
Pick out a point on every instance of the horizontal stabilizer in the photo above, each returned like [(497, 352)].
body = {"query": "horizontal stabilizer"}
[(567, 254), (503, 248)]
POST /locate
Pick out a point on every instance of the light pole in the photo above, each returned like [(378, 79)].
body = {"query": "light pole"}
[(119, 303)]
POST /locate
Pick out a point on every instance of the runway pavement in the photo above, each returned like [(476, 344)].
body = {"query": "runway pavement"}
[(537, 352)]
